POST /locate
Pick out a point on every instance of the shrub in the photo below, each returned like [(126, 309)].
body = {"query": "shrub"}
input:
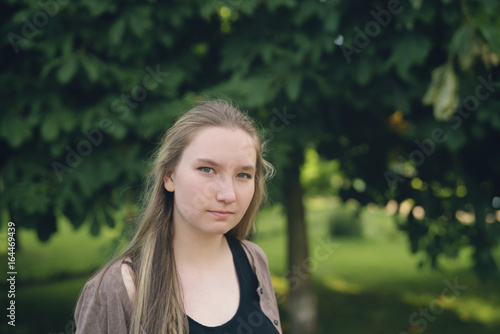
[(345, 221)]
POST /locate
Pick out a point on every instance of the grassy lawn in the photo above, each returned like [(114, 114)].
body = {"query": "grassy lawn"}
[(374, 284), (368, 285)]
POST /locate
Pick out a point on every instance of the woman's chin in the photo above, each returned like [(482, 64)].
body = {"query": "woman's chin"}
[(219, 228)]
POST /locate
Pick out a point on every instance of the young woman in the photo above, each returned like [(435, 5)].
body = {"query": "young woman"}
[(189, 268)]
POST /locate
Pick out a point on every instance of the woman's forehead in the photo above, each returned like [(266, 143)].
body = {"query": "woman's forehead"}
[(222, 146)]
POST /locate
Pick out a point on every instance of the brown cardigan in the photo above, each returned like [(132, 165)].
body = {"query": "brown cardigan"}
[(111, 312)]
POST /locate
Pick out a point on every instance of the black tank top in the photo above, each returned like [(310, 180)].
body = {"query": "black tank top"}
[(249, 317)]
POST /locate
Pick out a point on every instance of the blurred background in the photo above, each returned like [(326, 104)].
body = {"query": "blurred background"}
[(382, 119)]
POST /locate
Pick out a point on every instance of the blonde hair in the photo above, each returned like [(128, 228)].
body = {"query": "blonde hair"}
[(158, 305)]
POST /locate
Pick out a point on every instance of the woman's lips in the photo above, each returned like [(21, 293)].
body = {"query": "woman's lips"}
[(221, 214)]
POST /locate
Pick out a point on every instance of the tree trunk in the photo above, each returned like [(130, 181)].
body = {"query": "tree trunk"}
[(302, 306)]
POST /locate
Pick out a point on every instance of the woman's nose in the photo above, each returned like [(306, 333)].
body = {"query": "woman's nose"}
[(226, 192)]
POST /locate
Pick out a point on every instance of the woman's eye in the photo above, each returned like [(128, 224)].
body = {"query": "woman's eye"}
[(207, 170), (244, 176)]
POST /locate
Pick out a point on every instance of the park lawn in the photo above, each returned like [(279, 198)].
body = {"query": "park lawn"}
[(368, 285), (374, 284), (67, 253)]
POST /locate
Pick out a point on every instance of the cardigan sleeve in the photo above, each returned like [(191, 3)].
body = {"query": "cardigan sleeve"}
[(103, 306)]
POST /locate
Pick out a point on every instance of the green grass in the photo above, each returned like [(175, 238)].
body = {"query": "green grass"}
[(367, 285), (68, 252), (374, 284)]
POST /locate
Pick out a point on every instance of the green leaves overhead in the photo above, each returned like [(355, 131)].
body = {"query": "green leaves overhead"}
[(140, 20), (442, 93), (116, 31), (293, 86), (92, 66), (468, 45), (85, 105), (410, 49), (67, 70), (492, 36), (14, 131)]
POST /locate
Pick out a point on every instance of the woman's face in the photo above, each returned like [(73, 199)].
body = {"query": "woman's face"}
[(214, 181)]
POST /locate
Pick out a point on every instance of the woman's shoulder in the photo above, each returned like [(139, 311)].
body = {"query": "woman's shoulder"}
[(104, 305), (109, 278), (108, 285), (257, 255)]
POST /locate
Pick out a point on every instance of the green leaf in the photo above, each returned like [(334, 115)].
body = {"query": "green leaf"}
[(207, 8), (95, 227), (119, 130), (167, 39), (97, 7), (306, 10), (410, 50), (67, 120), (67, 46), (140, 21), (49, 66), (492, 35), (293, 86), (67, 71), (75, 209), (91, 66), (116, 31), (107, 171), (495, 120), (14, 130), (246, 6), (108, 218), (467, 46), (332, 23), (50, 128), (442, 93), (460, 37), (46, 226)]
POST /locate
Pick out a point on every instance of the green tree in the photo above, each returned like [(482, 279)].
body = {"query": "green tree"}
[(436, 126), (90, 85)]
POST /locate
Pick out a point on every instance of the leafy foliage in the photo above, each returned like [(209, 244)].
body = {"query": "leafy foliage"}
[(89, 90)]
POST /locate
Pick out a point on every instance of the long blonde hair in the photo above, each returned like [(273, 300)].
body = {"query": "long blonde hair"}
[(158, 305)]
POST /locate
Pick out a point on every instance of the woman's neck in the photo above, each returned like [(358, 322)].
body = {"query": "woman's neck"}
[(196, 248)]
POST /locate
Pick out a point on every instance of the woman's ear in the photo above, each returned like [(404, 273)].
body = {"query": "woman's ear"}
[(168, 181)]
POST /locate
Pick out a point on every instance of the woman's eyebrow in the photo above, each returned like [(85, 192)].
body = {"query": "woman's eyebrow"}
[(208, 161), (216, 164), (248, 168)]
